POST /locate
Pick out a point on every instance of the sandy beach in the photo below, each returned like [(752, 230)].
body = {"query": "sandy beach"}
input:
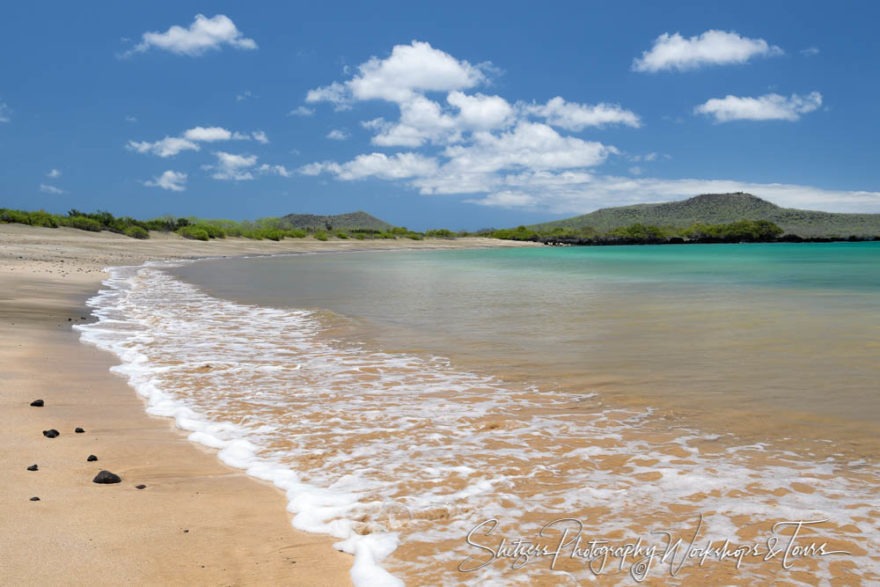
[(195, 521)]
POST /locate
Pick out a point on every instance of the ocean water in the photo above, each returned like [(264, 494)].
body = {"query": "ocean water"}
[(536, 416)]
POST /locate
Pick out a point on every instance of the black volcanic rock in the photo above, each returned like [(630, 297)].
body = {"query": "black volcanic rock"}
[(141, 486), (33, 468), (51, 433), (79, 430), (35, 498), (106, 477), (92, 458), (37, 403)]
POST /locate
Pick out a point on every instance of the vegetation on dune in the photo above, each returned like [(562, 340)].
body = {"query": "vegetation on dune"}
[(343, 226)]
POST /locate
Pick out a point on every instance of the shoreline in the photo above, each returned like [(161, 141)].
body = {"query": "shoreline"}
[(197, 521)]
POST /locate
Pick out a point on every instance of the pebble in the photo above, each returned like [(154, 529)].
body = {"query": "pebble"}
[(33, 468), (37, 403), (52, 433), (106, 477), (92, 458)]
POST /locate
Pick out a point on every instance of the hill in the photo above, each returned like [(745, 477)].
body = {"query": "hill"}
[(351, 221), (723, 209)]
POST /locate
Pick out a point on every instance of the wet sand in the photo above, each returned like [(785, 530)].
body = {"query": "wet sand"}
[(196, 521)]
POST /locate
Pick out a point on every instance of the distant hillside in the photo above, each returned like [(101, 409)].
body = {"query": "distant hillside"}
[(722, 209), (350, 221)]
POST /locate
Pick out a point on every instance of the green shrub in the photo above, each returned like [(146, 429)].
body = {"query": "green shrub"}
[(16, 216), (341, 234), (83, 223), (321, 235), (137, 232), (439, 233), (193, 232), (42, 218)]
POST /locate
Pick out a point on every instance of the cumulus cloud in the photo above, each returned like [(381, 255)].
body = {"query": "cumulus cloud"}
[(411, 70), (576, 117), (337, 135), (713, 47), (471, 142), (167, 147), (174, 181), (767, 107), (301, 111), (5, 112), (190, 139), (50, 189), (207, 134), (417, 67), (232, 167), (379, 165), (203, 35), (54, 173), (280, 170), (481, 112)]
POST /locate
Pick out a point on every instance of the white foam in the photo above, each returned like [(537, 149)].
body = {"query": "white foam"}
[(368, 445)]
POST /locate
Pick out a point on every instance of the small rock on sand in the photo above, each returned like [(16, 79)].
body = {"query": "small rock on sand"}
[(35, 498), (106, 477), (52, 433), (37, 403), (33, 468), (79, 430), (141, 486), (92, 458)]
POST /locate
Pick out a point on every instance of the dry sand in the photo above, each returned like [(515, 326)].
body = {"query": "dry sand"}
[(197, 521)]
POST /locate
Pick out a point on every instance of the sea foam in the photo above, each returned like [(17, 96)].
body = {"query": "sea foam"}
[(399, 456)]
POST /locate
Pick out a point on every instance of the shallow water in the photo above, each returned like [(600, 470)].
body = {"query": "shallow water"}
[(633, 391)]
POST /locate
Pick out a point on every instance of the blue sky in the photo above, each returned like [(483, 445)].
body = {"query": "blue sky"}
[(457, 114)]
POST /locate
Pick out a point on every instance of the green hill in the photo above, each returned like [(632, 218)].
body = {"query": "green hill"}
[(350, 221), (723, 209)]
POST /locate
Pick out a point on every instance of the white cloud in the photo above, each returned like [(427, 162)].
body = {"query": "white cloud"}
[(171, 146), (335, 93), (131, 119), (674, 52), (337, 135), (576, 117), (409, 70), (245, 95), (174, 181), (50, 189), (54, 173), (203, 35), (810, 51), (301, 111), (417, 67), (530, 145), (232, 167), (768, 107), (167, 147), (421, 120), (481, 112), (379, 165), (207, 134), (275, 170), (5, 112)]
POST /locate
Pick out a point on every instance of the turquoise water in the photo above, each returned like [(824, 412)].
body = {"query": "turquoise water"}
[(764, 340)]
